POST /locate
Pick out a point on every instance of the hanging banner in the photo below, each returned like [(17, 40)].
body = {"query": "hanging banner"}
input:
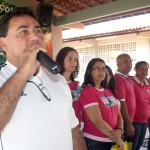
[(5, 7)]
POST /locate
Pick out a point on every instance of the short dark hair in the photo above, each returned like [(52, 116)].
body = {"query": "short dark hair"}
[(87, 76), (19, 11), (60, 60), (138, 64)]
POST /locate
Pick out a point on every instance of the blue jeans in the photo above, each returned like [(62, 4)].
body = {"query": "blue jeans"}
[(97, 145), (148, 148), (140, 131)]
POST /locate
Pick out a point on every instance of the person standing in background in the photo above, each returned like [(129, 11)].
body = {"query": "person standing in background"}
[(103, 124), (125, 91), (142, 95), (68, 60), (110, 80), (148, 146)]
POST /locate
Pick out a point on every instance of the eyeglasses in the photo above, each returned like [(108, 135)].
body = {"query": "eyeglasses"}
[(42, 89), (97, 69)]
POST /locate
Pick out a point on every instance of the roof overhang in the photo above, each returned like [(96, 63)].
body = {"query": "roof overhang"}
[(105, 10)]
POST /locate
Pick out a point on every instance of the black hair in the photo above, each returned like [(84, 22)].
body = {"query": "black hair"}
[(87, 76), (112, 83), (138, 64), (19, 11), (60, 60)]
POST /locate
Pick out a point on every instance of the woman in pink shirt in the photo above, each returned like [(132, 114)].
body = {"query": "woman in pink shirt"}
[(67, 58), (142, 94), (103, 124)]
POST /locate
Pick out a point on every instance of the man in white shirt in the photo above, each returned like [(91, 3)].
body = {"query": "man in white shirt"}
[(35, 105)]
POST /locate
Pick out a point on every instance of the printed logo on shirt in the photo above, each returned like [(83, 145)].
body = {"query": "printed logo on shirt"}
[(109, 101), (105, 101), (75, 95)]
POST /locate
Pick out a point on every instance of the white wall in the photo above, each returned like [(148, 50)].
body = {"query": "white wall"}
[(142, 45)]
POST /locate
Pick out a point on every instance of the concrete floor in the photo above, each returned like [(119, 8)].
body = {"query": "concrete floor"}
[(146, 136)]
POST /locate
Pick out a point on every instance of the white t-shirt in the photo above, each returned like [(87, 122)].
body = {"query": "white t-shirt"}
[(38, 124)]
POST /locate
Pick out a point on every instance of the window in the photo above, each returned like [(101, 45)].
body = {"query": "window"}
[(85, 55), (109, 52)]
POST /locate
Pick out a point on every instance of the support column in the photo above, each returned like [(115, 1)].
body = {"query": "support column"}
[(56, 40), (95, 48)]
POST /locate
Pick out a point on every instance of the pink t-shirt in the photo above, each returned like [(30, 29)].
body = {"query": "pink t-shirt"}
[(125, 91), (108, 105), (142, 94), (74, 87)]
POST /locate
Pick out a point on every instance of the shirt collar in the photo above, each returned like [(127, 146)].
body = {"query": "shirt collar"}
[(137, 80), (14, 68), (119, 73)]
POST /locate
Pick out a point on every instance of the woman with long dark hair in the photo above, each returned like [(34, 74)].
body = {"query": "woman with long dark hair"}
[(103, 125), (67, 58)]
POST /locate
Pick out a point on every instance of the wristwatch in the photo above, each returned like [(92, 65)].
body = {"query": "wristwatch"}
[(122, 131)]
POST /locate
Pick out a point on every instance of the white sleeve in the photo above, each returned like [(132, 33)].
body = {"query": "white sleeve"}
[(73, 119)]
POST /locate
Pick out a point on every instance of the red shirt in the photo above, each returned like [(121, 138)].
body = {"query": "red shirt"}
[(125, 91), (108, 105), (75, 96), (142, 94)]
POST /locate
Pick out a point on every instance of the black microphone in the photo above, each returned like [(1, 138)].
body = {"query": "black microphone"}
[(48, 63)]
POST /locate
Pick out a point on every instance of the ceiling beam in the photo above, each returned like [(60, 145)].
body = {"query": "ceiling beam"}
[(100, 11), (75, 25), (143, 34)]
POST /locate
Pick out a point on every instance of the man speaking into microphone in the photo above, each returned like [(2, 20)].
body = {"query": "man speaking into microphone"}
[(35, 102)]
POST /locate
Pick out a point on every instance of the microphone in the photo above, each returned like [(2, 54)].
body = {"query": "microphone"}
[(48, 63)]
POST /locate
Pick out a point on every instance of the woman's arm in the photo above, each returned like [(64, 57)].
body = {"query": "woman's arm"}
[(95, 117), (119, 131), (120, 122), (94, 114)]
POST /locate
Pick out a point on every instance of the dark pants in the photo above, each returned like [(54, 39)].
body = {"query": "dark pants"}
[(140, 131), (148, 148), (97, 145)]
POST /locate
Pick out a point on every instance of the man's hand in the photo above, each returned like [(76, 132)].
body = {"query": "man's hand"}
[(28, 62), (130, 130)]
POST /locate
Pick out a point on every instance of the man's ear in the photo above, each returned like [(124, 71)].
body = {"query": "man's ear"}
[(3, 44)]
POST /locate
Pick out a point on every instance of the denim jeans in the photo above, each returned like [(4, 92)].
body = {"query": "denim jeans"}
[(148, 147), (97, 145), (140, 131)]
